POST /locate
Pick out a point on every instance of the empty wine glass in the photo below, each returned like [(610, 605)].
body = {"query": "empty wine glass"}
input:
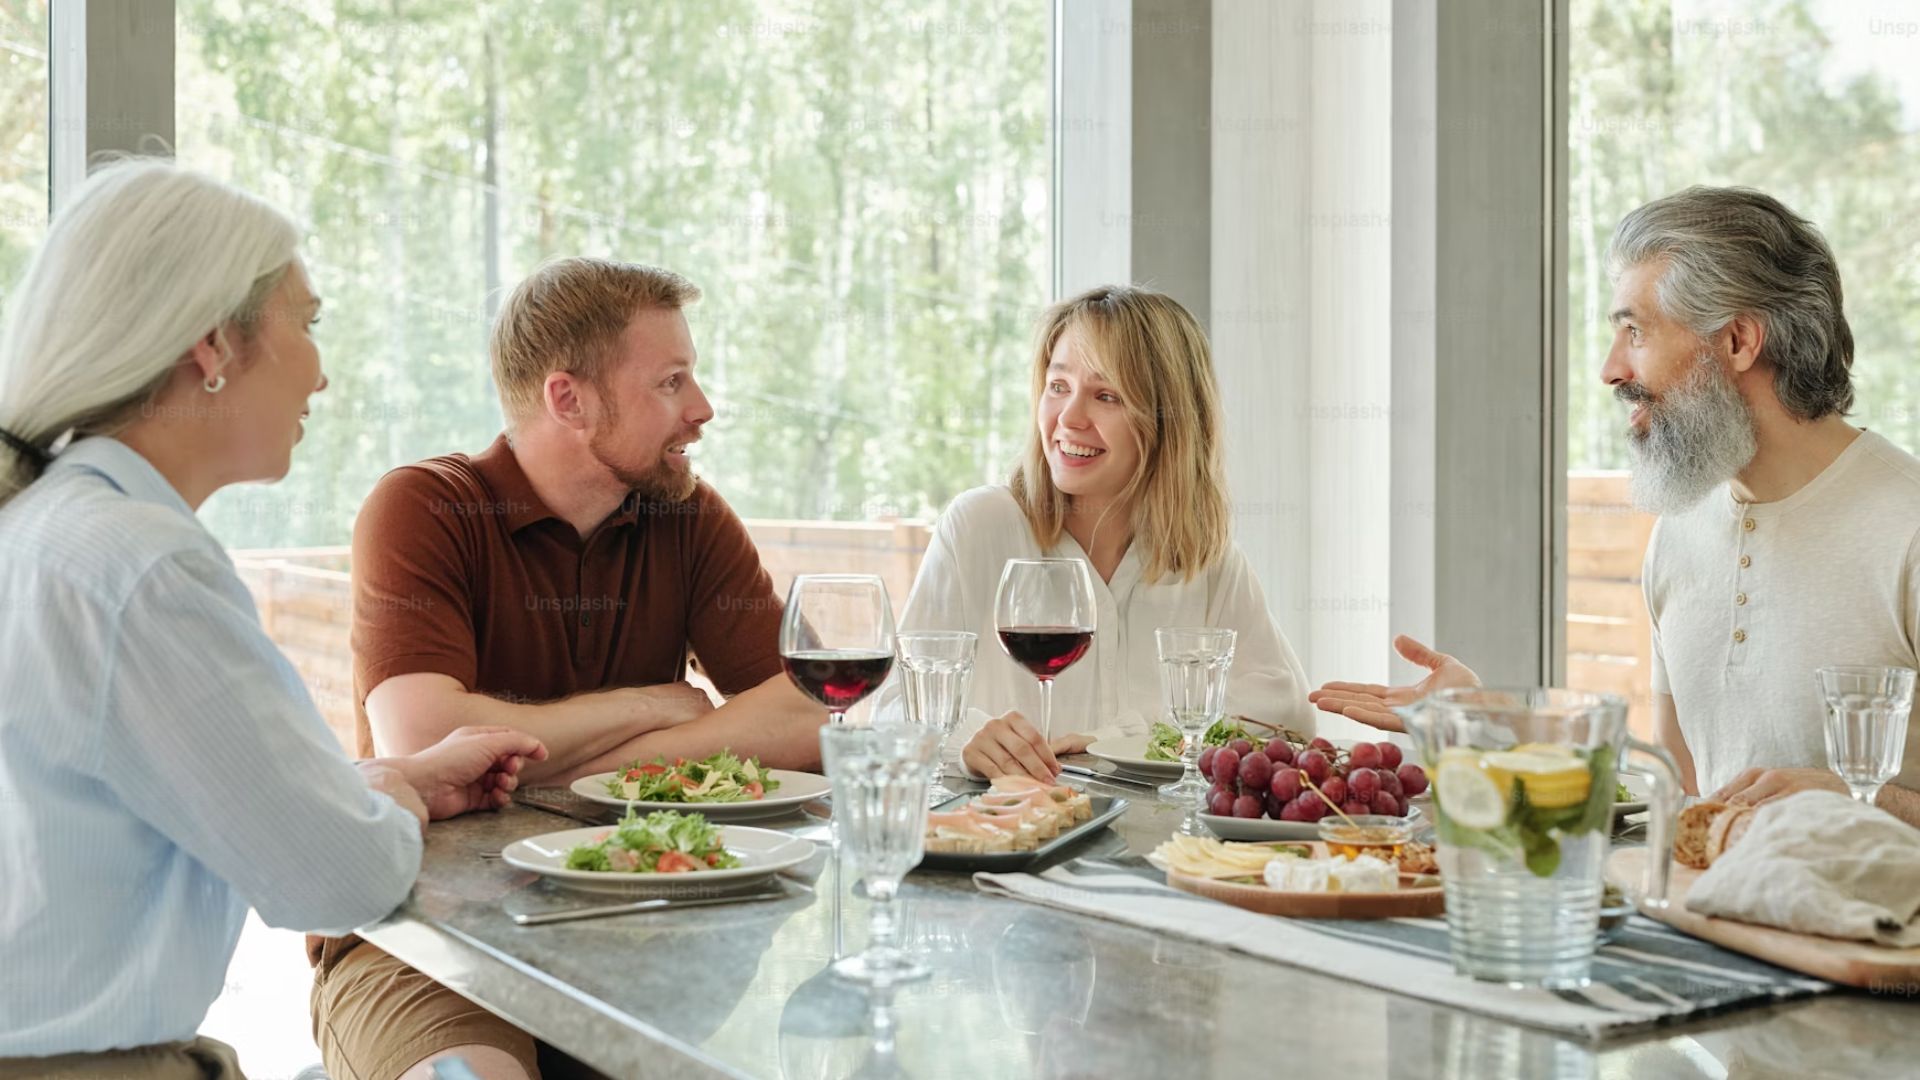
[(937, 667), (880, 777), (1045, 618), (1867, 711), (836, 638), (1193, 687)]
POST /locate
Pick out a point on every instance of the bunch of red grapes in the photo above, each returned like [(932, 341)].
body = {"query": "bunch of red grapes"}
[(1249, 783)]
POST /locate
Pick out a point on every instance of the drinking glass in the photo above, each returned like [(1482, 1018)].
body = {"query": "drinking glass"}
[(1523, 785), (1044, 615), (1193, 687), (880, 777), (836, 638), (937, 667), (1867, 711)]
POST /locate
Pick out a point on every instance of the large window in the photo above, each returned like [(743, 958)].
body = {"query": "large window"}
[(860, 187), (1814, 101), (23, 134)]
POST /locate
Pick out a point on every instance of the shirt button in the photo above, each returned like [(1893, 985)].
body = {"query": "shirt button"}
[(584, 620), (1746, 561), (1739, 636), (1747, 524), (1740, 598)]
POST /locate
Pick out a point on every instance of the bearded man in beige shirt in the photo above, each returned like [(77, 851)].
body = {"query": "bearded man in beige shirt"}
[(1788, 539)]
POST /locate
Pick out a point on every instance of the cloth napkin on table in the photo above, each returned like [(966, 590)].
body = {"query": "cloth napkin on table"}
[(1820, 863)]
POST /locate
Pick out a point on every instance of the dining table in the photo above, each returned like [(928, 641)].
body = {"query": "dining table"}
[(1016, 989)]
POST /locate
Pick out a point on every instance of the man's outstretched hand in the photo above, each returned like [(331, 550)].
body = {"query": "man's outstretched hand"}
[(1373, 704)]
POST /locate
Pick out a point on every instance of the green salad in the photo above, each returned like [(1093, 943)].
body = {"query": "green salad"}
[(720, 778), (663, 842), (1163, 742)]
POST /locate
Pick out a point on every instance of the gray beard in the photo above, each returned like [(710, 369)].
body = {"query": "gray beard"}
[(1699, 436)]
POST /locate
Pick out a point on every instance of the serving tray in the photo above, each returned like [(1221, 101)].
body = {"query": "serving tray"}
[(1106, 809)]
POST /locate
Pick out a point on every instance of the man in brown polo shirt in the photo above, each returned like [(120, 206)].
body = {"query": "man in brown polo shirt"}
[(555, 583)]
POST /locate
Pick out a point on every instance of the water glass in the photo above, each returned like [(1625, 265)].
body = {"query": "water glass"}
[(1193, 688), (1523, 784), (880, 777), (937, 669), (1867, 711)]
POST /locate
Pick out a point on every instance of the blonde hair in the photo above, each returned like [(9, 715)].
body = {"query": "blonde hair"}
[(568, 315), (1152, 351), (145, 259)]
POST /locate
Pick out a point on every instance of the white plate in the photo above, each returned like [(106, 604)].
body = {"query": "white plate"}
[(795, 788), (762, 852), (1260, 830), (1130, 755), (1639, 788)]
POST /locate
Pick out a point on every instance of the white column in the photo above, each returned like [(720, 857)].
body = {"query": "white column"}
[(111, 71), (1302, 301), (1477, 272)]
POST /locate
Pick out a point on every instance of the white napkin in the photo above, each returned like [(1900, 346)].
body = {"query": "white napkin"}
[(1820, 863)]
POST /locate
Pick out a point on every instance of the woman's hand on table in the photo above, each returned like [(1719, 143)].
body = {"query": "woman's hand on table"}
[(473, 768), (1010, 745), (1373, 704)]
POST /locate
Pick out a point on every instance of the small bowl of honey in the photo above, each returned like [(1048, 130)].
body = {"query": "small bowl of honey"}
[(1366, 834)]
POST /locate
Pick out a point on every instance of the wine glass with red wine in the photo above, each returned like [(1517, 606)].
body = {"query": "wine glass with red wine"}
[(1044, 615), (836, 638)]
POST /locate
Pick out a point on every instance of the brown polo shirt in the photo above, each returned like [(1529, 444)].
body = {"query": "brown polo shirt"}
[(460, 569)]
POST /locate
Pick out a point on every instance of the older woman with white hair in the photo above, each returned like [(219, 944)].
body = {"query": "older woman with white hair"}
[(162, 767)]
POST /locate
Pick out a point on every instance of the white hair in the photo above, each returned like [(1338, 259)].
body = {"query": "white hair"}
[(1733, 251), (146, 259)]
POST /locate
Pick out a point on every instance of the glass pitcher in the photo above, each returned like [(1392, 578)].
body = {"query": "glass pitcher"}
[(1523, 789)]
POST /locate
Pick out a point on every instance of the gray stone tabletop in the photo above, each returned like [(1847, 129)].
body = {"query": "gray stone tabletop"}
[(1016, 991)]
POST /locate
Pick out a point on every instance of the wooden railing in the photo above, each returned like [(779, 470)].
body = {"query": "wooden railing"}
[(1609, 641), (305, 596)]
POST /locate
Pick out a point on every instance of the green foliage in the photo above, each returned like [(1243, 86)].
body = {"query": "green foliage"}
[(860, 188), (23, 134), (1763, 95)]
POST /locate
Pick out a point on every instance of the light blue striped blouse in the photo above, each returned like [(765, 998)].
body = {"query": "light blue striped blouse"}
[(161, 769)]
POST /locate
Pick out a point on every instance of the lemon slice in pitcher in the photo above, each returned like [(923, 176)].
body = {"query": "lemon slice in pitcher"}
[(1467, 795), (1552, 779)]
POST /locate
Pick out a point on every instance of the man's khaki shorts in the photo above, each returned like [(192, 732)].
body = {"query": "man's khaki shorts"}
[(374, 1017), (199, 1059)]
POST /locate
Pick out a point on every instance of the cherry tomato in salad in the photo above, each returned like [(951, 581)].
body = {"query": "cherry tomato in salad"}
[(756, 789), (675, 862)]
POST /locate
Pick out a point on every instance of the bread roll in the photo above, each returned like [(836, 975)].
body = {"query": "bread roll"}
[(1690, 835)]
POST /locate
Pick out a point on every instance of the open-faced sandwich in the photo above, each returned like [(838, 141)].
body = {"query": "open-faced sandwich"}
[(1018, 814)]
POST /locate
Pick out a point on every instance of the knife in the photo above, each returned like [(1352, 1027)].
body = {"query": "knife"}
[(656, 904), (598, 815), (1108, 778)]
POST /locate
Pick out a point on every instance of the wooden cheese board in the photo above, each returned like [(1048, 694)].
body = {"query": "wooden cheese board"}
[(1420, 896), (1879, 968)]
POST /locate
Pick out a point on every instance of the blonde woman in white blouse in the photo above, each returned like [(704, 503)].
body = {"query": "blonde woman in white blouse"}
[(1124, 470)]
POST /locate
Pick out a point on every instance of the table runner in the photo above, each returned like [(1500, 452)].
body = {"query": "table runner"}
[(1648, 976)]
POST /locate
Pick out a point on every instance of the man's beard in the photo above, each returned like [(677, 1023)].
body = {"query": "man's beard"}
[(657, 481), (1699, 435)]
